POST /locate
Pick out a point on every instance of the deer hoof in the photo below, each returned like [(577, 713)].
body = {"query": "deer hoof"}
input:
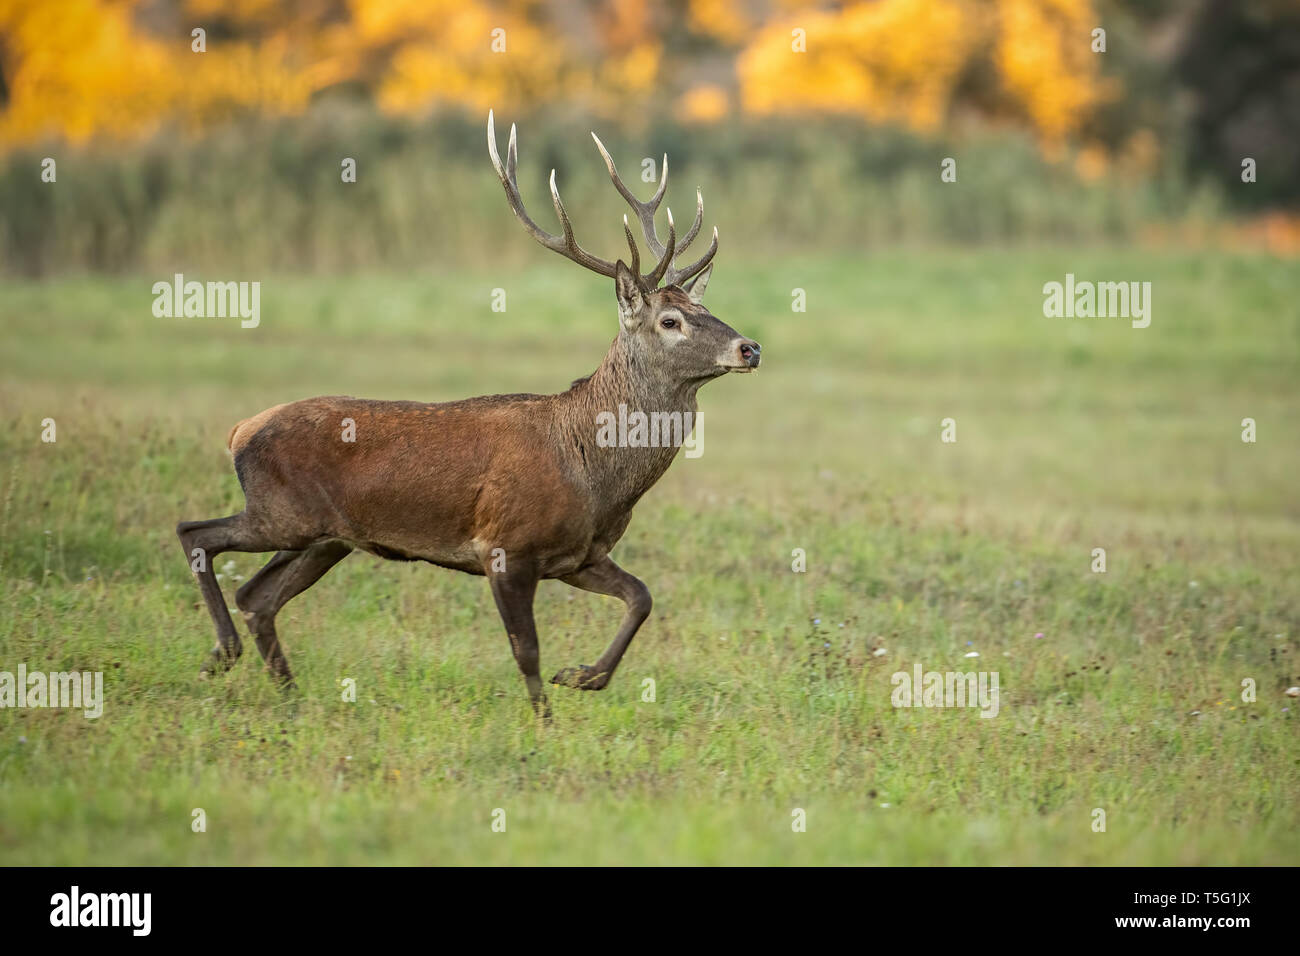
[(581, 677), (220, 660)]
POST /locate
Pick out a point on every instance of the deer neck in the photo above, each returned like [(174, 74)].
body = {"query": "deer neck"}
[(594, 411)]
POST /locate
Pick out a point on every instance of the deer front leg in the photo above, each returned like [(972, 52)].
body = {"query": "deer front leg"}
[(514, 591), (284, 577), (606, 577)]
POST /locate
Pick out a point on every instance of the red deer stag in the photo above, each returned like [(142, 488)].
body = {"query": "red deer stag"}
[(513, 487)]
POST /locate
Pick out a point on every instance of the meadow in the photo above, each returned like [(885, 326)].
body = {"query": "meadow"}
[(1120, 691)]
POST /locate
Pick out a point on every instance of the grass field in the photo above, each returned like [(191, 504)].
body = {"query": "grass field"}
[(771, 691)]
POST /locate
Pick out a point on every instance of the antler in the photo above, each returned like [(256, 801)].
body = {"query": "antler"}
[(567, 246), (645, 211)]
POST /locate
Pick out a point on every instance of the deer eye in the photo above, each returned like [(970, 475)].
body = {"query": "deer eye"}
[(669, 323)]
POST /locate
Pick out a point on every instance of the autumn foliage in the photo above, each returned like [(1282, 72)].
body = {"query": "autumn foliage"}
[(122, 69)]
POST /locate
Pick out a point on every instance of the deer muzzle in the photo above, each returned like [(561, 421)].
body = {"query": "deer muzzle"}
[(742, 355)]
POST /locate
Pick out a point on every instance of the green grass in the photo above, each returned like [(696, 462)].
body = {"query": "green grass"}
[(1072, 435)]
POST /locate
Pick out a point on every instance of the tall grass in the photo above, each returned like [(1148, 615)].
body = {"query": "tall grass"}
[(269, 194)]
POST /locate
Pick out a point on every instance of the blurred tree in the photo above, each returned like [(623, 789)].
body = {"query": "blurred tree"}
[(1241, 61)]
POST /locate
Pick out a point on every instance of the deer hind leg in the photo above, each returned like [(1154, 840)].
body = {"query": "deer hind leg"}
[(202, 542), (514, 592), (281, 579), (606, 577)]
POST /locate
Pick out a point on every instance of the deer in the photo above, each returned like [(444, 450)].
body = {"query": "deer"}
[(516, 488)]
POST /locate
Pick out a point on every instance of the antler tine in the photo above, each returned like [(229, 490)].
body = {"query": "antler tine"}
[(565, 245), (658, 197), (631, 244), (692, 232), (677, 276), (560, 212), (645, 211), (652, 280), (512, 152)]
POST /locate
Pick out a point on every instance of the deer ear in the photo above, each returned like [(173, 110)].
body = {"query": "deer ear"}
[(695, 287), (631, 296)]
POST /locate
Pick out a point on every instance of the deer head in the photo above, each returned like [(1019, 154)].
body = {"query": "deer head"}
[(664, 329)]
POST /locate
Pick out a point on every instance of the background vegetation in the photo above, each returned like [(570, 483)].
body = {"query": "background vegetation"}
[(172, 160)]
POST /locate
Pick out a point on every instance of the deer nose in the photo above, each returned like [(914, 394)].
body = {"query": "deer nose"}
[(750, 353)]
